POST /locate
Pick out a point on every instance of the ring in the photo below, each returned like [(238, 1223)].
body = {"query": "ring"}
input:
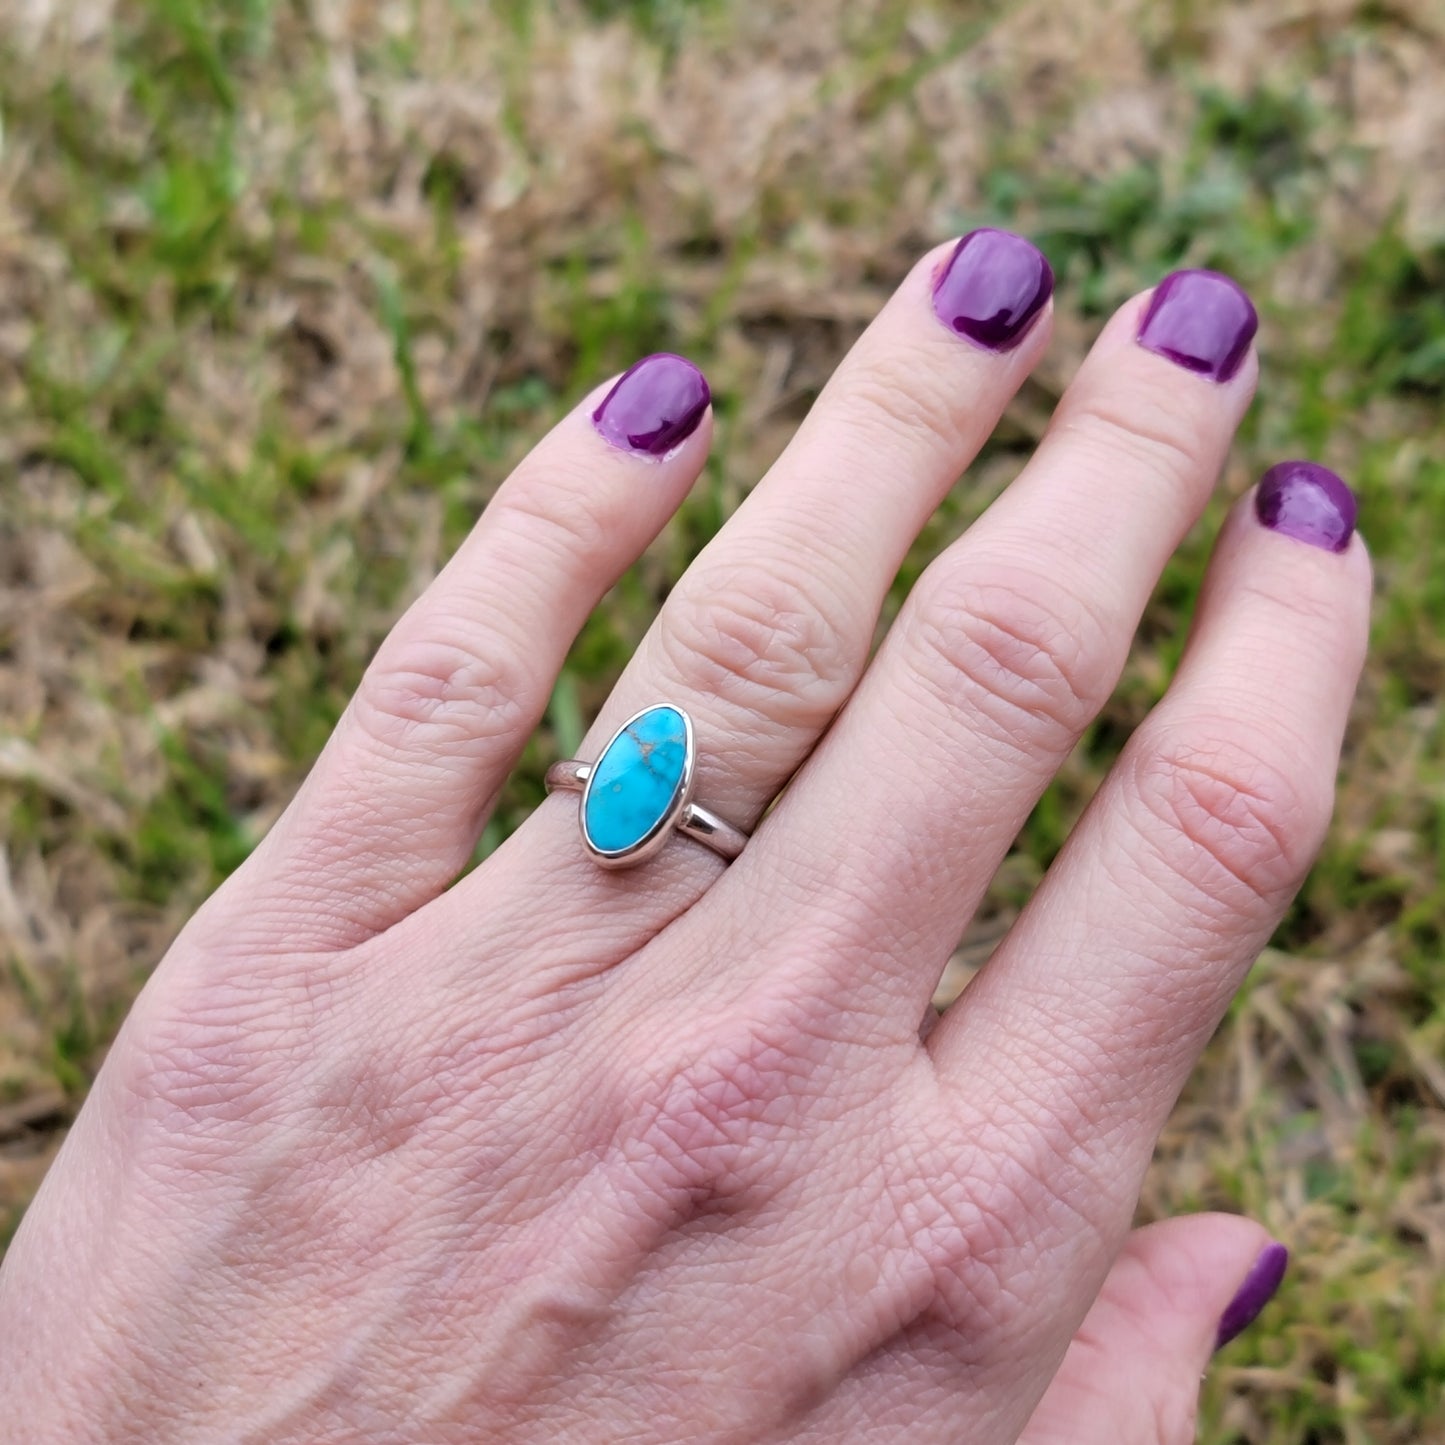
[(640, 790)]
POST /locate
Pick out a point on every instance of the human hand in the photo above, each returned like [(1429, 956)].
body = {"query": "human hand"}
[(566, 1154)]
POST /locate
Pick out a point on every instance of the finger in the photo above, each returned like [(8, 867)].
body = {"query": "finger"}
[(1178, 1291), (766, 634), (1078, 1035), (1203, 831), (392, 809), (1005, 650)]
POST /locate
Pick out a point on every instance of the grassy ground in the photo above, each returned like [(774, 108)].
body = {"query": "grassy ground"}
[(285, 289)]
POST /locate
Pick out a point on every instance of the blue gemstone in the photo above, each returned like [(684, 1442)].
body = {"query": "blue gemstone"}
[(637, 780)]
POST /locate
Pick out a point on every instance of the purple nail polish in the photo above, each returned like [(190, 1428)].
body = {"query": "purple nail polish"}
[(1200, 320), (1307, 502), (993, 286), (655, 406), (1257, 1290)]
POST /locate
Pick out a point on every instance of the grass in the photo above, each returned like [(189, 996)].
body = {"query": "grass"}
[(281, 300)]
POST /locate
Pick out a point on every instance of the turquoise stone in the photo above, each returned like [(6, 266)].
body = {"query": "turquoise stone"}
[(637, 780)]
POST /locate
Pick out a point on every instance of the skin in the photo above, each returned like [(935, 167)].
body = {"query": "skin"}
[(558, 1154)]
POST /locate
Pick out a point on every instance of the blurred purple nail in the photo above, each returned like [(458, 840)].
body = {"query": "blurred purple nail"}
[(1307, 502), (1257, 1290), (993, 286), (1201, 321), (655, 406)]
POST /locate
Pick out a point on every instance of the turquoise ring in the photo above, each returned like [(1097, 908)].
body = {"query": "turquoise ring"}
[(639, 791)]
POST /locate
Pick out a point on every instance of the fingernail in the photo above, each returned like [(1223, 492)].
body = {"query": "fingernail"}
[(655, 406), (992, 288), (1257, 1290), (1200, 320), (1308, 502)]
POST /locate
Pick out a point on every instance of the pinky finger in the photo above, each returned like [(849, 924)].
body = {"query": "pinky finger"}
[(1107, 988), (1178, 1291)]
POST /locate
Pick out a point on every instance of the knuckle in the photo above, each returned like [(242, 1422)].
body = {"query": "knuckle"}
[(1314, 615), (1229, 817), (563, 515), (967, 1229), (1028, 655), (753, 638), (991, 1217), (1146, 428), (707, 1120), (888, 395), (972, 1295), (443, 692)]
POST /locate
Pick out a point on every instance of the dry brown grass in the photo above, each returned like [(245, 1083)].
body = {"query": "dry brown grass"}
[(285, 289)]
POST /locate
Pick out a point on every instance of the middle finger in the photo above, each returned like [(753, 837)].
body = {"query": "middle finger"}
[(768, 631)]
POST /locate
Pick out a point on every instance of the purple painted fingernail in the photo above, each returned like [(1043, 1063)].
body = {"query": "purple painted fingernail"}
[(993, 286), (655, 406), (1308, 502), (1200, 320), (1257, 1290)]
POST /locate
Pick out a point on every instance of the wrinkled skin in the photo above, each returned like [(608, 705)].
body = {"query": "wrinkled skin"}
[(557, 1154)]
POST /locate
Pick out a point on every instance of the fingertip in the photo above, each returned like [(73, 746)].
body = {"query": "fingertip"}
[(1294, 540), (1295, 536), (1308, 503), (1255, 1290), (1201, 321), (1214, 1273), (1175, 1291), (654, 407), (992, 288), (1135, 328), (1195, 1263)]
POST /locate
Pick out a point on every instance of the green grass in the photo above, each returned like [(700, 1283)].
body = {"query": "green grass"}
[(271, 356)]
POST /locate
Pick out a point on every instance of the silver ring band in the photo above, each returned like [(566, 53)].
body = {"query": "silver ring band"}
[(639, 792)]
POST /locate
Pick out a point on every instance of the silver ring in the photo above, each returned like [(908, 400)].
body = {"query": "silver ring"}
[(639, 791)]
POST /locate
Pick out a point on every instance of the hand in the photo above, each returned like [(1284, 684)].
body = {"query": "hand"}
[(566, 1154)]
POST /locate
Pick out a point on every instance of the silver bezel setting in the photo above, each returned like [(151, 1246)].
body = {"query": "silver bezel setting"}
[(653, 841)]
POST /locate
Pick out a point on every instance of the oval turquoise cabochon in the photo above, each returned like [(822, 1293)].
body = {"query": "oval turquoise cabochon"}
[(636, 781)]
